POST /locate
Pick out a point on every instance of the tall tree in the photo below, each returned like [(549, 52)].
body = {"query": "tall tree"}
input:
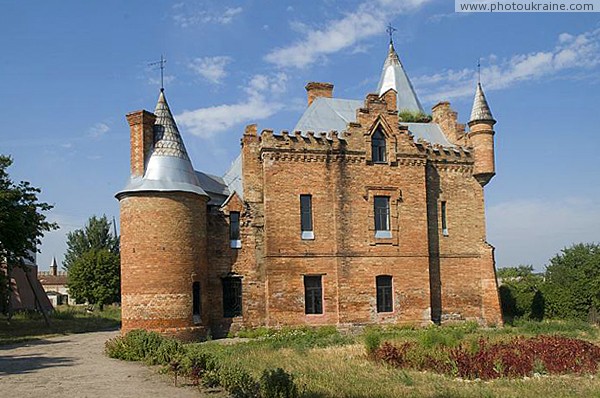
[(93, 262), (95, 235), (572, 286), (22, 225), (95, 277)]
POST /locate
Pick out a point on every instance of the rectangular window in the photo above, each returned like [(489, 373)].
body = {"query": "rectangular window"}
[(444, 223), (232, 297), (384, 293), (382, 217), (234, 230), (306, 225), (196, 307), (313, 295)]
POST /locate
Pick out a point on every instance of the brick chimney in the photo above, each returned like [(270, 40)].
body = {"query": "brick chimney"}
[(316, 89), (141, 125)]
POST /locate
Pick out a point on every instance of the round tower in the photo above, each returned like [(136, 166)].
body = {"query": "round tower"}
[(481, 135), (163, 232)]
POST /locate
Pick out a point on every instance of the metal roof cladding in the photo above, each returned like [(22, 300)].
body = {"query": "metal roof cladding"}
[(481, 109), (169, 168), (334, 114), (394, 76)]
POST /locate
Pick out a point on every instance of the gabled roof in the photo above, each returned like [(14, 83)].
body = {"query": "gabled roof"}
[(327, 114), (169, 168), (233, 178), (394, 76), (481, 110)]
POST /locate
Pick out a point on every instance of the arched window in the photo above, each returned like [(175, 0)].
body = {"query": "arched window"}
[(378, 147)]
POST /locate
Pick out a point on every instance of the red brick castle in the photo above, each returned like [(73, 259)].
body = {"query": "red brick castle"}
[(356, 217)]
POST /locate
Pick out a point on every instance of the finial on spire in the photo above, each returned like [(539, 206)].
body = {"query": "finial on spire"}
[(161, 65), (478, 70), (390, 30)]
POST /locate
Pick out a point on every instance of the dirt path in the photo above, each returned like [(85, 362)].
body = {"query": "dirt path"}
[(75, 366)]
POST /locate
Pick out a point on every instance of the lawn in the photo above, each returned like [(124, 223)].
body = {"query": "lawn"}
[(328, 364), (63, 320)]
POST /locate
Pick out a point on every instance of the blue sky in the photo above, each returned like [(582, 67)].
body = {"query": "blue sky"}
[(71, 70)]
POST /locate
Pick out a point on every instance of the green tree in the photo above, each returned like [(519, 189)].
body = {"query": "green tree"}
[(93, 262), (22, 225), (95, 235), (572, 285), (94, 277), (521, 293)]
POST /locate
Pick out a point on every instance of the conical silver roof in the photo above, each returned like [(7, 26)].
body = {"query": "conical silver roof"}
[(394, 76), (169, 168), (481, 110)]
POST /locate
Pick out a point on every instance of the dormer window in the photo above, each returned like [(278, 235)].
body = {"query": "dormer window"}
[(378, 147)]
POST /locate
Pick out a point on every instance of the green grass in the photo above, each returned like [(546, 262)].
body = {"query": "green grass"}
[(329, 364), (64, 320)]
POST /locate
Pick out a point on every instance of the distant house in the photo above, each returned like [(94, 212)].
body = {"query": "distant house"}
[(54, 283), (26, 291)]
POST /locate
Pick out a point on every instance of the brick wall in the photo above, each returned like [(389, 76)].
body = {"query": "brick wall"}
[(163, 251), (444, 277)]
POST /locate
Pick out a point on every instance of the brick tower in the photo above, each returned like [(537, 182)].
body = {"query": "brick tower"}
[(482, 138), (163, 231)]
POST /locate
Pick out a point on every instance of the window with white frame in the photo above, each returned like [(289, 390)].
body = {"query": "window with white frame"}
[(382, 216), (306, 224), (234, 230)]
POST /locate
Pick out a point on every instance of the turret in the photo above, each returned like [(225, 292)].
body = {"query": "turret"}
[(481, 136), (53, 267), (394, 76), (163, 232)]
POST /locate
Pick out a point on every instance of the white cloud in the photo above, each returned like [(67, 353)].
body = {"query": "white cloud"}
[(228, 15), (571, 52), (98, 130), (185, 17), (531, 231), (211, 68), (367, 20), (206, 122)]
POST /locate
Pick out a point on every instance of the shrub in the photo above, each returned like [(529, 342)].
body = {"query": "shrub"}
[(169, 350), (414, 117), (136, 345), (238, 382), (277, 383), (520, 293), (372, 341)]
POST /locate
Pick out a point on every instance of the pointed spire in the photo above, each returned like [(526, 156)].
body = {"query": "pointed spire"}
[(53, 267), (167, 140), (169, 167), (481, 110), (394, 77)]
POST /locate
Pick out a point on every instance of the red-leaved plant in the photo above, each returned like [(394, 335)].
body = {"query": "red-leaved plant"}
[(515, 358)]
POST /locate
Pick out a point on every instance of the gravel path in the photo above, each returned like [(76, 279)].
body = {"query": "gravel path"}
[(75, 366)]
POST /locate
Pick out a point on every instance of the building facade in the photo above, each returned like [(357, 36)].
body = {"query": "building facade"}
[(358, 216), (54, 283)]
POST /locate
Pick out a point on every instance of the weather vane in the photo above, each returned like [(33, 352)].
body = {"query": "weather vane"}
[(161, 65), (390, 30)]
